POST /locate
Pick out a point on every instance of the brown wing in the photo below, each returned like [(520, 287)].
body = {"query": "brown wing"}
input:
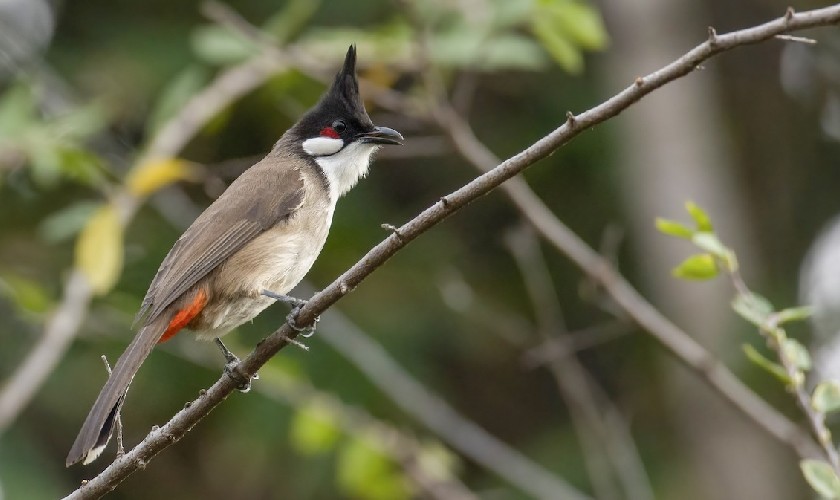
[(263, 196)]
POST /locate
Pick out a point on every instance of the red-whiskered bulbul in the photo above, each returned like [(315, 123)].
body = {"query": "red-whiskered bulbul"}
[(253, 244)]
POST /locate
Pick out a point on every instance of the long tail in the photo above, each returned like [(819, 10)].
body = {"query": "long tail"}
[(99, 424)]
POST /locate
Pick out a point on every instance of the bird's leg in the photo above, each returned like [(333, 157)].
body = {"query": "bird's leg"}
[(117, 414), (232, 368), (291, 318)]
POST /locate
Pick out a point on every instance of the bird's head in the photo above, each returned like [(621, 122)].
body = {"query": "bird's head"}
[(338, 133)]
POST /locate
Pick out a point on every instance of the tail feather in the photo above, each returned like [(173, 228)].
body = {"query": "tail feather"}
[(99, 424)]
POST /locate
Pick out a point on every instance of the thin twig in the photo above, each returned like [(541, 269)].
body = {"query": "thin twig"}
[(603, 440), (799, 39), (118, 427), (645, 315), (816, 419), (59, 332), (558, 348)]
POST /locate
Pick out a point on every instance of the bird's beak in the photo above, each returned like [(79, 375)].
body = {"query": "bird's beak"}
[(382, 135)]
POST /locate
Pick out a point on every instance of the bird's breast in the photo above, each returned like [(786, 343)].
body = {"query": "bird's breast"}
[(277, 260)]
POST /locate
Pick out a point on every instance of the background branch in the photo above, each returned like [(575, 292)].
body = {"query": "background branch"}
[(437, 415), (401, 447), (604, 436), (170, 433)]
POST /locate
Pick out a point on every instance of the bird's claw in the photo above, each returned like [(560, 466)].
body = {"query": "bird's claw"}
[(243, 382), (304, 331)]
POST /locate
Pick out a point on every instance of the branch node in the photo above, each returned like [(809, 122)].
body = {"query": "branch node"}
[(393, 229), (141, 464), (444, 201), (789, 13), (570, 118), (639, 81), (712, 36), (187, 404), (155, 428), (344, 288), (202, 392)]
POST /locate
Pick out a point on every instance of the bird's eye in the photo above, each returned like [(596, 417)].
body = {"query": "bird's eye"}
[(339, 126)]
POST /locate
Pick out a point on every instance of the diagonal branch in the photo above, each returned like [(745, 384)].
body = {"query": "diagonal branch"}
[(627, 297)]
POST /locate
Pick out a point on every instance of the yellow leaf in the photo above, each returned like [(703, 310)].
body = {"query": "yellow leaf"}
[(146, 178), (99, 249)]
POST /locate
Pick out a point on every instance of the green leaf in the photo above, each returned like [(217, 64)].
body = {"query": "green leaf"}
[(17, 110), (437, 461), (564, 52), (81, 165), (364, 472), (216, 45), (796, 354), (826, 397), (753, 308), (45, 164), (99, 249), (287, 24), (28, 295), (771, 367), (673, 228), (387, 43), (175, 95), (68, 221), (697, 267), (511, 13), (314, 430), (510, 51), (79, 123), (794, 314), (464, 46), (821, 477), (581, 23), (701, 218)]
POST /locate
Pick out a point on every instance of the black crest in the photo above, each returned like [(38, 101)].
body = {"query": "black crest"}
[(341, 101)]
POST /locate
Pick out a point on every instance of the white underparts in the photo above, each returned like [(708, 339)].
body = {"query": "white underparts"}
[(344, 168), (322, 146)]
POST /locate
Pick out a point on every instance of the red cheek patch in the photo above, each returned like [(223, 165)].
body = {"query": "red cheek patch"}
[(330, 132)]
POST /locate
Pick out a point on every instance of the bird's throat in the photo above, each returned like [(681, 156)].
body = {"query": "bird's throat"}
[(344, 169)]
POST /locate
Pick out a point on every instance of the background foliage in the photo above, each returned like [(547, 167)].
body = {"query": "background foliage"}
[(453, 309)]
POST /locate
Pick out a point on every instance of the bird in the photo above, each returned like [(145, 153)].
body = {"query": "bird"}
[(252, 245)]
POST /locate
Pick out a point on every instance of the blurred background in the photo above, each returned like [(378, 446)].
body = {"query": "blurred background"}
[(478, 362)]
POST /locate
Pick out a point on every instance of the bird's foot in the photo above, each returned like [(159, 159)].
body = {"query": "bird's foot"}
[(291, 318), (243, 382), (304, 331)]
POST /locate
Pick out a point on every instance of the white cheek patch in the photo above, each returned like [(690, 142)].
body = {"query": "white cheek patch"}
[(322, 146)]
